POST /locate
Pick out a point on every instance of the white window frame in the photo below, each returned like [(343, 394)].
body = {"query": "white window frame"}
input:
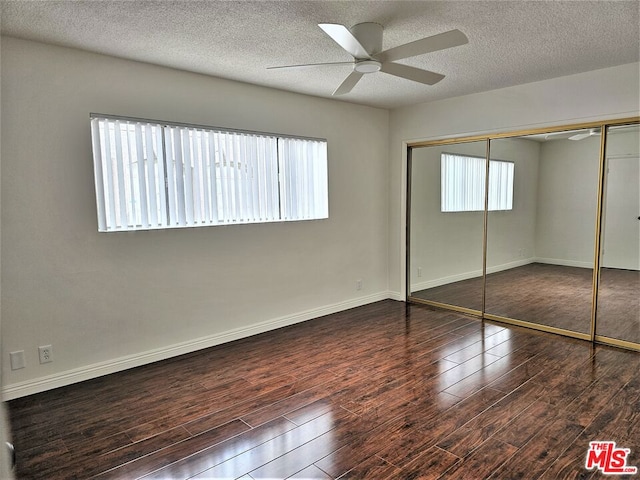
[(153, 175), (462, 183)]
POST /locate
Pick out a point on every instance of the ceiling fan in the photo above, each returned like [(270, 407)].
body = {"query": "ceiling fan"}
[(581, 136), (364, 43), (572, 135)]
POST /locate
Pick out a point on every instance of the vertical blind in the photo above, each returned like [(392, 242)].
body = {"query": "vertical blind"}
[(150, 175), (463, 183), (304, 179)]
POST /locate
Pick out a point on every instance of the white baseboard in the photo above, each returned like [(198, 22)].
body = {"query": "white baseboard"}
[(498, 268), (29, 387), (510, 265), (396, 296), (468, 275), (563, 262), (416, 287)]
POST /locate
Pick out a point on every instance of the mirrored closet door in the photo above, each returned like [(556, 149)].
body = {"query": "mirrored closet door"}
[(618, 309), (447, 224), (541, 228), (538, 228)]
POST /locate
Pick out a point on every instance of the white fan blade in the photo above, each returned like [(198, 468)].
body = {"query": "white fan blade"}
[(452, 38), (411, 73), (590, 133), (349, 83), (579, 136), (311, 65), (343, 37)]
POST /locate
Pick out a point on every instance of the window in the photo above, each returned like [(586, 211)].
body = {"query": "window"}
[(463, 183), (153, 175)]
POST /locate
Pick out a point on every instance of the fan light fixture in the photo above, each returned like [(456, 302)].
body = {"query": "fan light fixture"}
[(367, 66)]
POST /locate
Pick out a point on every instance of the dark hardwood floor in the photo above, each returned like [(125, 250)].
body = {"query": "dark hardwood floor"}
[(619, 304), (387, 390), (555, 296)]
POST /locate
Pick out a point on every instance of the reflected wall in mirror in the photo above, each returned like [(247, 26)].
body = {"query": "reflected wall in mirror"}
[(540, 252), (447, 224), (618, 311)]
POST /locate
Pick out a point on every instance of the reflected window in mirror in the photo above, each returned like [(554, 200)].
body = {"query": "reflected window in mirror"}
[(463, 182)]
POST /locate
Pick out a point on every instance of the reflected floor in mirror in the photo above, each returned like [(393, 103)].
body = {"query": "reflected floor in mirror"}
[(619, 304), (383, 391), (554, 295)]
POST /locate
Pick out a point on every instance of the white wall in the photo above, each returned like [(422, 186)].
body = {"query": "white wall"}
[(567, 201), (111, 301), (511, 233), (600, 94)]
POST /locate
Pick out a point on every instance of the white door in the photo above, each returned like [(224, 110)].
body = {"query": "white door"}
[(621, 240)]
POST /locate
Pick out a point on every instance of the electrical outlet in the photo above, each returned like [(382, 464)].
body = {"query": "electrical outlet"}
[(358, 284), (419, 271), (17, 360), (46, 354)]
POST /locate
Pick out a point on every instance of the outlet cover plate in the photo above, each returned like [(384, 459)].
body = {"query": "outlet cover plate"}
[(46, 354)]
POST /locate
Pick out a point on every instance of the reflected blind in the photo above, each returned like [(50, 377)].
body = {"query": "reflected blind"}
[(151, 175), (463, 184)]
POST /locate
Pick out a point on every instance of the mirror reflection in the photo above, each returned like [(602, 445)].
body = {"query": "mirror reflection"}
[(447, 224), (540, 253), (618, 313), (541, 230)]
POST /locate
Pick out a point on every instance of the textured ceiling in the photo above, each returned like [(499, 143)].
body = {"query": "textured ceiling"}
[(510, 42)]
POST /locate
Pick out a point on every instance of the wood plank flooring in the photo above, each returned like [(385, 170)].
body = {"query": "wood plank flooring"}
[(553, 295), (619, 304), (384, 391)]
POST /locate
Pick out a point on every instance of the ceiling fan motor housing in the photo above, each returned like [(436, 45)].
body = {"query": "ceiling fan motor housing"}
[(369, 35)]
